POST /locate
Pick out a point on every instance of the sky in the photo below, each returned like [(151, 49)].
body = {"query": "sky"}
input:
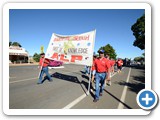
[(33, 28)]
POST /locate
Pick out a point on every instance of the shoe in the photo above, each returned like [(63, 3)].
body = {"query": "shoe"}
[(39, 83), (51, 80), (100, 94), (95, 100), (109, 83)]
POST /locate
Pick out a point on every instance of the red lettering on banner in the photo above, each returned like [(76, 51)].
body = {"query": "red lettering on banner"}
[(55, 55), (76, 57), (63, 58)]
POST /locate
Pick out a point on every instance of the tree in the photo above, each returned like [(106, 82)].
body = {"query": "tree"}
[(109, 51), (139, 32), (16, 44), (36, 57), (10, 43)]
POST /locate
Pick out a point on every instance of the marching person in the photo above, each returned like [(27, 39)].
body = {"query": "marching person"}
[(43, 64), (111, 62), (102, 67), (119, 65)]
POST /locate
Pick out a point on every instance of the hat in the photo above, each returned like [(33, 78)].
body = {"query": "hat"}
[(42, 54), (101, 51)]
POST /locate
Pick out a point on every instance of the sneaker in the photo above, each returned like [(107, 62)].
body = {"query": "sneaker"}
[(39, 83), (91, 90), (51, 80), (95, 100), (109, 83)]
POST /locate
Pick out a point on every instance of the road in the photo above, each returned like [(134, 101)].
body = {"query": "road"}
[(69, 87)]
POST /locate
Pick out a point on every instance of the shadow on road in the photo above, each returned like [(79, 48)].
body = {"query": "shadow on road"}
[(137, 84), (70, 78), (117, 99), (66, 77)]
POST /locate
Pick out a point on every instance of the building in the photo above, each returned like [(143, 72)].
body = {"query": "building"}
[(18, 55)]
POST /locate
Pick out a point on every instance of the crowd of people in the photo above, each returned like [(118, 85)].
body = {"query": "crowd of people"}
[(101, 71)]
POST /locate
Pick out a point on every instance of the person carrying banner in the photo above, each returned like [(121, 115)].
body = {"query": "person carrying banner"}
[(119, 65), (43, 63), (102, 67)]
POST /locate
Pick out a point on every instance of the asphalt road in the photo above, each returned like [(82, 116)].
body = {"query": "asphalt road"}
[(69, 88)]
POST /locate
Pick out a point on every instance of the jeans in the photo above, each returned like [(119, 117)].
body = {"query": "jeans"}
[(100, 78), (87, 69), (44, 70)]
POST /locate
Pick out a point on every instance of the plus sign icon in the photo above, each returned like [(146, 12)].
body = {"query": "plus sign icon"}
[(147, 99)]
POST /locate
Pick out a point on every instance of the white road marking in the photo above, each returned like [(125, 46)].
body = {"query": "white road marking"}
[(33, 78), (76, 101), (70, 105), (24, 80), (121, 106)]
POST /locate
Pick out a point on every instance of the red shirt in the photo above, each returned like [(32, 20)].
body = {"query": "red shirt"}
[(112, 62), (46, 62), (102, 64), (119, 62)]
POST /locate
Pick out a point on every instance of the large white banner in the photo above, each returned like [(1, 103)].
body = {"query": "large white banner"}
[(77, 49)]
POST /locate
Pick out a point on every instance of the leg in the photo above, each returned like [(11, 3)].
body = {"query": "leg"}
[(47, 74), (97, 86), (103, 77), (41, 76)]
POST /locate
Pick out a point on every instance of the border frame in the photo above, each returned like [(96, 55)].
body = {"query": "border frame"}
[(8, 6)]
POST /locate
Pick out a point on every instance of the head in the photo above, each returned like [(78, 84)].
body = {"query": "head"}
[(94, 56), (107, 56), (101, 53), (42, 55)]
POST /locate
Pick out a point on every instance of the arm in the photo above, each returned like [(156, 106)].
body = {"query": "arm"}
[(108, 76)]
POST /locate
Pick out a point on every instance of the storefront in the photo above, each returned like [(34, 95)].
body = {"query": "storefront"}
[(18, 55)]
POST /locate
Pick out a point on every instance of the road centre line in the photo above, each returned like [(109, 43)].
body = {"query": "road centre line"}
[(121, 106), (23, 80), (32, 78)]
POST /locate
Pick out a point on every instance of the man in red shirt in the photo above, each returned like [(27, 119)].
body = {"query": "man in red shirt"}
[(119, 65), (43, 63), (102, 67), (111, 62)]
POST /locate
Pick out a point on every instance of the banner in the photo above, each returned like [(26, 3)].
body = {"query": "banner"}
[(76, 49)]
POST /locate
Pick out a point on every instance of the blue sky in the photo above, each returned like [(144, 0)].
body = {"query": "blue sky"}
[(33, 28)]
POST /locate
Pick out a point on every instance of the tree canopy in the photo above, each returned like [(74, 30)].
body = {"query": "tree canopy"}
[(15, 44), (36, 57), (139, 32), (109, 50)]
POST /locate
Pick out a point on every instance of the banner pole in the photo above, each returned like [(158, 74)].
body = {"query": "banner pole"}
[(89, 84)]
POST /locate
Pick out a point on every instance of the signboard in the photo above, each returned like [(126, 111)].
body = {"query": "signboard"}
[(76, 49), (42, 49)]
